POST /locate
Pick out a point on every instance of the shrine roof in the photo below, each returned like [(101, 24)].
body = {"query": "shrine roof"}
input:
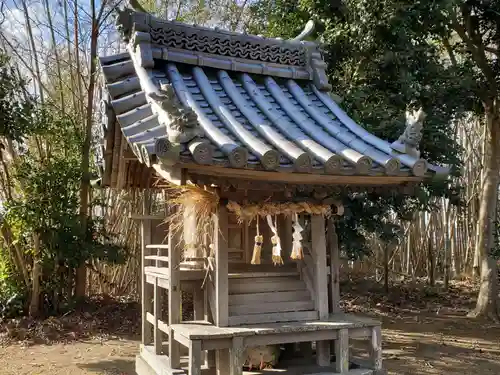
[(190, 95)]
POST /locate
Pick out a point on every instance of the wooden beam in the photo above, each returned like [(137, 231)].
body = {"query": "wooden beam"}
[(146, 289), (301, 178), (221, 265), (174, 295)]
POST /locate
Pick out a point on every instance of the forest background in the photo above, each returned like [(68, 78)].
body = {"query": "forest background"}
[(63, 239)]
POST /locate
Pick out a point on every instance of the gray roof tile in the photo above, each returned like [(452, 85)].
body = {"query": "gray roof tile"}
[(248, 120)]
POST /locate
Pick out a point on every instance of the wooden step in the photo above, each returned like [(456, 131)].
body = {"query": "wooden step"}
[(157, 246), (271, 307), (246, 299), (156, 257), (298, 316), (162, 280), (271, 284), (252, 275), (157, 270)]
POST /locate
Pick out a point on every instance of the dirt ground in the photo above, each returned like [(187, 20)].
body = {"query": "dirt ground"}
[(425, 332)]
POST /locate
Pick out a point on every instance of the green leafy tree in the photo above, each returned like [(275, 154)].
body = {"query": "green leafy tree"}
[(381, 67), (386, 55)]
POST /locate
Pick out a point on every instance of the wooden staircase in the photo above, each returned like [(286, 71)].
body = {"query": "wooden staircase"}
[(269, 297)]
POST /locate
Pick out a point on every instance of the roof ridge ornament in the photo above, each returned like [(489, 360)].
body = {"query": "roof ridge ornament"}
[(307, 31), (408, 142), (183, 126)]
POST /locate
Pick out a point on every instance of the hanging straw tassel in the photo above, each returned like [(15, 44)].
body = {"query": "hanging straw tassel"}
[(275, 240), (257, 248), (297, 251)]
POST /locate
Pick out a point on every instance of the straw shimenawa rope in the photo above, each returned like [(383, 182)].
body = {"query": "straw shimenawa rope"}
[(251, 211)]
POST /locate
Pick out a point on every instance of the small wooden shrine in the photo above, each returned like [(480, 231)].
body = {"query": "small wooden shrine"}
[(254, 154)]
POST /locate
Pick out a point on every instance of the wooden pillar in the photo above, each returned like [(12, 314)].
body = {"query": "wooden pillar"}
[(342, 352), (334, 266), (236, 356), (157, 302), (221, 266), (333, 245), (174, 295), (194, 365), (318, 240), (285, 231), (146, 289), (210, 354), (320, 266), (223, 362), (376, 350)]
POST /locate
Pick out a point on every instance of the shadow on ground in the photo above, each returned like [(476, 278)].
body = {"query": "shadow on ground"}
[(111, 367), (426, 331)]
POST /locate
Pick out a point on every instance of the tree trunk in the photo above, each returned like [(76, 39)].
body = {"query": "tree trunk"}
[(431, 262), (386, 268), (487, 301), (487, 153), (81, 272)]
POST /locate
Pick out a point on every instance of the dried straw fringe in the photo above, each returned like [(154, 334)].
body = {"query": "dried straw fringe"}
[(198, 202)]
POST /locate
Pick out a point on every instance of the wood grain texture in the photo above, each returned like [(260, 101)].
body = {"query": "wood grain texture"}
[(158, 334), (194, 364), (342, 352), (146, 289), (221, 263), (320, 266), (236, 354), (292, 316), (376, 348), (174, 294), (323, 353), (254, 298), (333, 245)]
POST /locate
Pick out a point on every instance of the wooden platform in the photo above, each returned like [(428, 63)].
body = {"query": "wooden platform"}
[(231, 342), (147, 364), (277, 333)]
